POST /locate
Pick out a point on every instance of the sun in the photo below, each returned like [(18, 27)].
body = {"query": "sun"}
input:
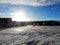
[(20, 16)]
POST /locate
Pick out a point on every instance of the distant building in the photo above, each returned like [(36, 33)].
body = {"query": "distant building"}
[(34, 23), (5, 22), (45, 23)]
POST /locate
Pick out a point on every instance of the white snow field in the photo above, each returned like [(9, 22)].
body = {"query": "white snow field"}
[(30, 35)]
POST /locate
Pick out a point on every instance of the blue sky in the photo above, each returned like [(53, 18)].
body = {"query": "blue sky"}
[(35, 10)]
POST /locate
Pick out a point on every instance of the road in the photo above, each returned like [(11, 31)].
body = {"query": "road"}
[(30, 35)]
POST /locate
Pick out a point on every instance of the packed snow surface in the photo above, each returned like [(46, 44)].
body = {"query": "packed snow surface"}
[(30, 35)]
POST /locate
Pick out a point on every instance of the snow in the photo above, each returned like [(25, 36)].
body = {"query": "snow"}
[(31, 35)]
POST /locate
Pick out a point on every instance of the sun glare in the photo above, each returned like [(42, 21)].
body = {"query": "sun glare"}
[(20, 16)]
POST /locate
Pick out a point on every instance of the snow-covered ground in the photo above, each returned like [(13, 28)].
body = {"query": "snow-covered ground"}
[(31, 35)]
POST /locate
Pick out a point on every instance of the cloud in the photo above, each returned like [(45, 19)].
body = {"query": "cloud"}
[(4, 15), (31, 2)]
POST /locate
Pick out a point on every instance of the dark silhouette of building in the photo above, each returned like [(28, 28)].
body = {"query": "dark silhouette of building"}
[(5, 22)]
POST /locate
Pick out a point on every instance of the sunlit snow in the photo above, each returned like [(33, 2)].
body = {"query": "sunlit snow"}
[(31, 35)]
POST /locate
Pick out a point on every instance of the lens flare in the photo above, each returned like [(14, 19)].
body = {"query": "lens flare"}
[(20, 16)]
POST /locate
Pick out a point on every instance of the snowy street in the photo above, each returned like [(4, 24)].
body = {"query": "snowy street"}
[(31, 35)]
